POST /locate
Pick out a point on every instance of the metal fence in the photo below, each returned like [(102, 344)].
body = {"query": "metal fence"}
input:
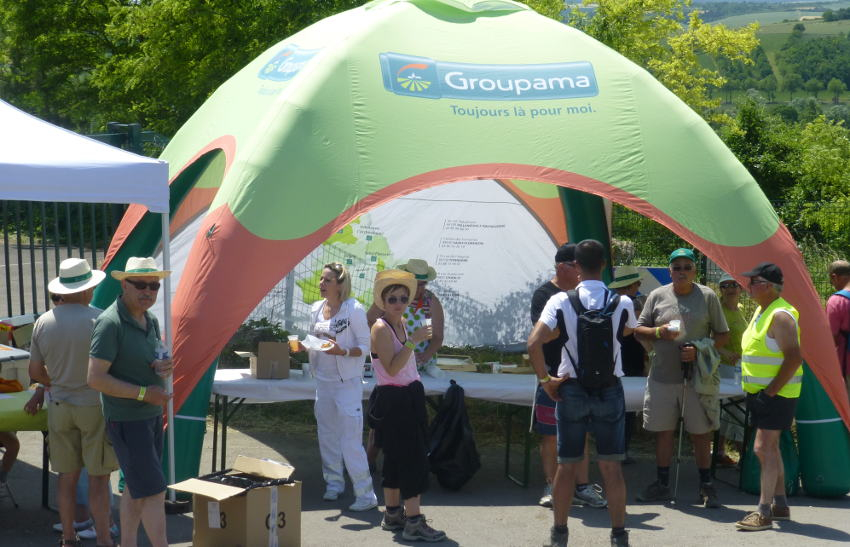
[(37, 236)]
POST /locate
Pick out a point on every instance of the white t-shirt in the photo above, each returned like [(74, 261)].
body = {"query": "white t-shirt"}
[(594, 295)]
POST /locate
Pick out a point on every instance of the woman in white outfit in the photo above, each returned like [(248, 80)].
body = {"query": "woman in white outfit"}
[(339, 412)]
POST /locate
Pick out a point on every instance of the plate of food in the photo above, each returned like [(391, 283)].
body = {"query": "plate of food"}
[(318, 344)]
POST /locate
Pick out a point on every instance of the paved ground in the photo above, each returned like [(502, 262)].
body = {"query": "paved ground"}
[(490, 510)]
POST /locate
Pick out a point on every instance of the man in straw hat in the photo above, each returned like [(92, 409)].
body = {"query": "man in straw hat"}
[(627, 281), (124, 367), (59, 360)]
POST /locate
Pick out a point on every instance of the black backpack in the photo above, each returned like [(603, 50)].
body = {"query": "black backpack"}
[(595, 331), (453, 456)]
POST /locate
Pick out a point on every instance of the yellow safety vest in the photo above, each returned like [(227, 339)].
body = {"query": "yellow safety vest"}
[(760, 364)]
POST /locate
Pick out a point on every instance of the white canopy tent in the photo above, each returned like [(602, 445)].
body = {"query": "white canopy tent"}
[(42, 162)]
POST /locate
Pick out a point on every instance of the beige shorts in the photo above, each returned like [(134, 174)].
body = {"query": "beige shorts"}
[(78, 439), (662, 408)]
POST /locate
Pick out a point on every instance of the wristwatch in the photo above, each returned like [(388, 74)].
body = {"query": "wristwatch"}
[(544, 379)]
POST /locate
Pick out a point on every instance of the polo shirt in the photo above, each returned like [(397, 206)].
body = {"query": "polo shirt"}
[(120, 340)]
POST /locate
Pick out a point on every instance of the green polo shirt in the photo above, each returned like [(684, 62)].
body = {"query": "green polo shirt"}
[(119, 339)]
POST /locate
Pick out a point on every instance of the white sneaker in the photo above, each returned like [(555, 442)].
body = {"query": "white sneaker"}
[(88, 533), (367, 502), (77, 525), (546, 499), (330, 495)]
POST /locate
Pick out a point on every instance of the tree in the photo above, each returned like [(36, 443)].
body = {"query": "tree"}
[(48, 50), (177, 52), (792, 83), (836, 87), (768, 85), (814, 86), (656, 34), (799, 28), (764, 144)]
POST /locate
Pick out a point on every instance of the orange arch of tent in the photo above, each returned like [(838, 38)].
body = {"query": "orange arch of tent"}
[(215, 294)]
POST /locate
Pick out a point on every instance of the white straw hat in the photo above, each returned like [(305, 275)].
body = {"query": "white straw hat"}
[(75, 275)]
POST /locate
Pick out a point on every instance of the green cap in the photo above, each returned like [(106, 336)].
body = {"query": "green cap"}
[(682, 253)]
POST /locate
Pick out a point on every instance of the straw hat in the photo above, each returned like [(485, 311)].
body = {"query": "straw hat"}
[(625, 276), (420, 269), (75, 275), (392, 277), (140, 267)]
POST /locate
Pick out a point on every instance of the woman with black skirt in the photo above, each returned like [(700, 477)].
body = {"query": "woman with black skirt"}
[(397, 412)]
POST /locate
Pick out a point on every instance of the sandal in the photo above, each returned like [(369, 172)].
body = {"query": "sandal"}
[(76, 542)]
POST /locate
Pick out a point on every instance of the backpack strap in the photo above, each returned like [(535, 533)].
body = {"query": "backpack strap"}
[(843, 292)]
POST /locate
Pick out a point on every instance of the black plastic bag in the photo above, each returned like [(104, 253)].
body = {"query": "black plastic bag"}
[(453, 456)]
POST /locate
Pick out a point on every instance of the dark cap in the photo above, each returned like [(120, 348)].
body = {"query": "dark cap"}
[(566, 253), (768, 271)]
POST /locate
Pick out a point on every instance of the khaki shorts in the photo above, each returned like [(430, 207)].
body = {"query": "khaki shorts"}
[(662, 408), (78, 439)]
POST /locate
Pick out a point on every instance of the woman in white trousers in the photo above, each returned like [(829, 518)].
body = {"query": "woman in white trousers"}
[(338, 368)]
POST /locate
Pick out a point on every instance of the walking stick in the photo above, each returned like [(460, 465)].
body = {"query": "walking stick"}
[(687, 374)]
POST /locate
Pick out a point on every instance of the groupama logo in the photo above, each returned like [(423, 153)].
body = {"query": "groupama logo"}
[(409, 77), (427, 78), (286, 63)]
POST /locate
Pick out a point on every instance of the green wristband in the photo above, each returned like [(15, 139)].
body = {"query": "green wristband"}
[(409, 344)]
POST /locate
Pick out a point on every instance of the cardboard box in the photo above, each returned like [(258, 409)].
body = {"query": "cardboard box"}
[(271, 361), (16, 370), (229, 516)]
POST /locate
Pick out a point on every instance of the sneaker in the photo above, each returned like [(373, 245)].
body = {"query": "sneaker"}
[(708, 496), (419, 529), (369, 501), (393, 521), (620, 541), (780, 513), (330, 495), (558, 539), (754, 522), (88, 533), (77, 525), (546, 499), (655, 492), (589, 494)]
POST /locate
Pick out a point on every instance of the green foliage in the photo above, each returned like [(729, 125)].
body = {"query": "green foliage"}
[(764, 143), (655, 34), (177, 52), (836, 87), (48, 51)]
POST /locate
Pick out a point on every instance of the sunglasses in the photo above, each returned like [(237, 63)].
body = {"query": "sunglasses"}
[(394, 299), (142, 285), (729, 286), (687, 268)]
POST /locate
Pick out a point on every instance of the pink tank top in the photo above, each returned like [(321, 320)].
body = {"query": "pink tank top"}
[(408, 373)]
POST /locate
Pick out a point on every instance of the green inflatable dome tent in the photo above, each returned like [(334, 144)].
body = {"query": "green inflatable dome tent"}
[(401, 95)]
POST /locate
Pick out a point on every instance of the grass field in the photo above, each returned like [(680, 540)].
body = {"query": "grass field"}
[(766, 18)]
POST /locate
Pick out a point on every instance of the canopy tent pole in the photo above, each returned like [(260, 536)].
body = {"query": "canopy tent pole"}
[(169, 385)]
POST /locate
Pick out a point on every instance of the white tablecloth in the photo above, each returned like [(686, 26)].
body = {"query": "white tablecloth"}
[(515, 389)]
